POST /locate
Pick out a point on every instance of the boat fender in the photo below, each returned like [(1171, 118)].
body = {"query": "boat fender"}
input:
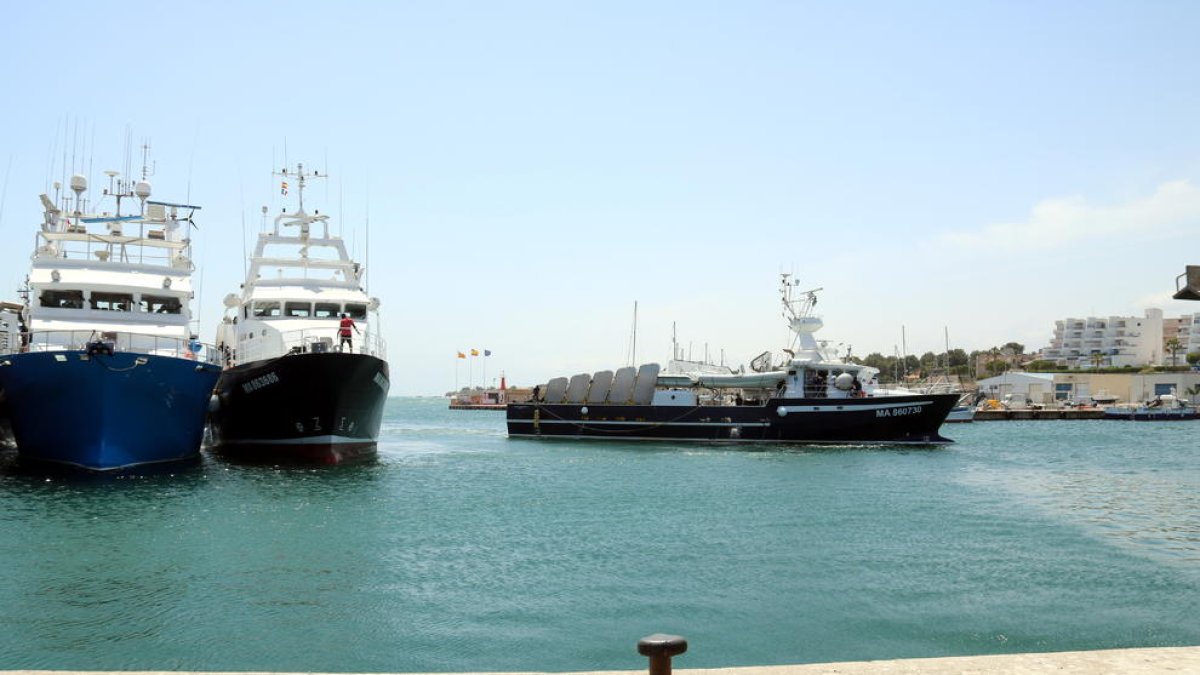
[(214, 403), (782, 411), (845, 381)]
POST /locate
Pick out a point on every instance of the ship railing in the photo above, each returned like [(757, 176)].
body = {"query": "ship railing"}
[(147, 247), (104, 342), (308, 341)]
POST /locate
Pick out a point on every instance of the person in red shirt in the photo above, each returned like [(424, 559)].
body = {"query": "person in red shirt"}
[(344, 335)]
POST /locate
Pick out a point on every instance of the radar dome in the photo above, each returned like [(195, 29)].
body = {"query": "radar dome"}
[(232, 300), (844, 381), (78, 183), (142, 189)]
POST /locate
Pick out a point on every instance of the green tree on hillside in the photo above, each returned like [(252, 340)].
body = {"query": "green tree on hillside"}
[(1016, 347)]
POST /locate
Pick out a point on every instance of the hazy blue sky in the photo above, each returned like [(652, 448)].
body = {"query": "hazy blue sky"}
[(531, 169)]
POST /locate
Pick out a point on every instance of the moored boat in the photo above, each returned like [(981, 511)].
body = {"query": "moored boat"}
[(106, 374), (293, 389), (961, 413), (808, 396), (10, 337), (1165, 407)]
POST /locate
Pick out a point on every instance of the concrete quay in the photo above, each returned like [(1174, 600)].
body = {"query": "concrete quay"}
[(1043, 414), (1144, 661)]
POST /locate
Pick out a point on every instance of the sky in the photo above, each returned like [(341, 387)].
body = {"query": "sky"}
[(517, 175)]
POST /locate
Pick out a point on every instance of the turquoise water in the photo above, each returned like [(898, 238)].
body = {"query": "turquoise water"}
[(459, 549)]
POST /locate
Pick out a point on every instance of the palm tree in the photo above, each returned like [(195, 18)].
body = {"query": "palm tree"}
[(1097, 359), (1174, 346)]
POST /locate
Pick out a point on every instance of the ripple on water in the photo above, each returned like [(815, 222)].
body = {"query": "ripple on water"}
[(458, 549)]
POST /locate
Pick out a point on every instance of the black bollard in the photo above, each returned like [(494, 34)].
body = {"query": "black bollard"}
[(660, 648)]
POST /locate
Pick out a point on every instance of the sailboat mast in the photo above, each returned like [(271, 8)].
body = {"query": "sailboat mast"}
[(633, 350)]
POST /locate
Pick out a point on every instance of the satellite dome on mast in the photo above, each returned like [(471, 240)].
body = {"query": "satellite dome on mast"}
[(79, 183)]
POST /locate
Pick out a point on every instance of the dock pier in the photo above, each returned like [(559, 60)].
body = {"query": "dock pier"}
[(1042, 414), (1139, 661)]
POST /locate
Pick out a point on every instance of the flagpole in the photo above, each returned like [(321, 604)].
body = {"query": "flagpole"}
[(470, 372), (456, 375), (485, 384)]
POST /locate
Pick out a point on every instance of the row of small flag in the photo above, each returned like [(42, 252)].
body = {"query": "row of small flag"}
[(475, 352)]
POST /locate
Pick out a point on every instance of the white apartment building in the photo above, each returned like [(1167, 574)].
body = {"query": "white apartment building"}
[(1189, 336), (1113, 341)]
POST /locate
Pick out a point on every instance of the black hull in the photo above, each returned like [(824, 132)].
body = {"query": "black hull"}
[(891, 420), (306, 408)]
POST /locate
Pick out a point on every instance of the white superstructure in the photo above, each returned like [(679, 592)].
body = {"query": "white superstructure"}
[(99, 275), (808, 367), (301, 280)]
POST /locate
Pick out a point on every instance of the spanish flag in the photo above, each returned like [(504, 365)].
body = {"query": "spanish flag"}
[(462, 355), (474, 352)]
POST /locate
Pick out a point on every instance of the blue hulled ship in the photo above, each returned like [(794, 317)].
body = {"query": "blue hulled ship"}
[(106, 374)]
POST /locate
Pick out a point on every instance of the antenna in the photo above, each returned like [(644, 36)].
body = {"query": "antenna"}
[(4, 190), (242, 210), (635, 322), (50, 152), (91, 157), (631, 351), (66, 123), (147, 168), (367, 253), (191, 160), (74, 149)]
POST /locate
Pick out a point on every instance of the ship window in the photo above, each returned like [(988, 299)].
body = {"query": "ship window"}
[(266, 309), (112, 302), (356, 311), (63, 299), (161, 304), (326, 310), (298, 309)]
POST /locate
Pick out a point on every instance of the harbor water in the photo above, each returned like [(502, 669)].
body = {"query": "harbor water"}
[(458, 549)]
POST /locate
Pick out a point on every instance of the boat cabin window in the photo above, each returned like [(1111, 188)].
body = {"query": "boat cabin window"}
[(266, 309), (161, 304), (356, 311), (112, 302), (63, 299), (327, 310), (298, 310)]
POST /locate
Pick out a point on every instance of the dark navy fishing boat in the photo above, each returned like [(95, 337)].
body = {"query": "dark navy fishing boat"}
[(807, 396), (106, 374), (291, 391)]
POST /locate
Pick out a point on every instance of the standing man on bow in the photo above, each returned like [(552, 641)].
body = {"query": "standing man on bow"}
[(345, 338)]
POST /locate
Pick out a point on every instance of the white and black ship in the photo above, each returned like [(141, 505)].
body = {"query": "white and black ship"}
[(291, 389), (807, 396)]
